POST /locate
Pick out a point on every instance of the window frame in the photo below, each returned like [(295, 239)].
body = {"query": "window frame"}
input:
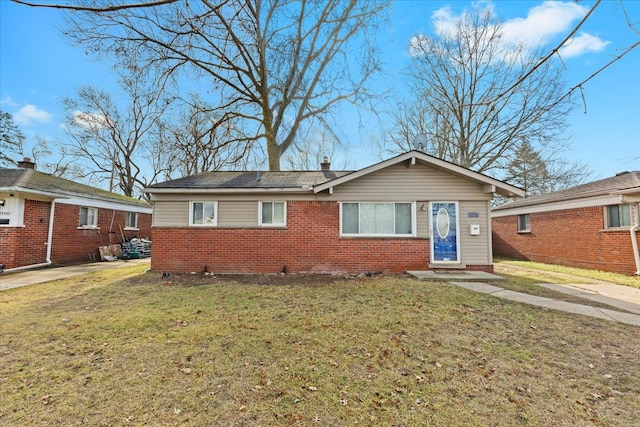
[(95, 217), (620, 217), (272, 224), (412, 212), (528, 223), (214, 223), (128, 226)]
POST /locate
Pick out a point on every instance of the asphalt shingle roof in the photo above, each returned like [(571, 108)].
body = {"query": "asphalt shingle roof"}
[(252, 179), (30, 179), (618, 183)]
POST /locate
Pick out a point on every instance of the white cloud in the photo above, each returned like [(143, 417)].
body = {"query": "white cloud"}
[(581, 44), (8, 101), (90, 120), (542, 23), (29, 114)]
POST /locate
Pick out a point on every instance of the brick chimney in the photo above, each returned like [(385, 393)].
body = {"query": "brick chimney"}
[(325, 165), (26, 164)]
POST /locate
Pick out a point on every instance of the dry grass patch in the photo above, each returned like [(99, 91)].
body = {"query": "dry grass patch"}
[(551, 273), (194, 350)]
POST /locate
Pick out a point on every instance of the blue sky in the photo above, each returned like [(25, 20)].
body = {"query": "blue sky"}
[(38, 68)]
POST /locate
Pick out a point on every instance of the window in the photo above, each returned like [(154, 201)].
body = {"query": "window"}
[(273, 213), (618, 216), (131, 220), (377, 219), (203, 214), (88, 217), (524, 223)]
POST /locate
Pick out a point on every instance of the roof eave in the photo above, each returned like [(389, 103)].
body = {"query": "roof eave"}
[(501, 188), (199, 190)]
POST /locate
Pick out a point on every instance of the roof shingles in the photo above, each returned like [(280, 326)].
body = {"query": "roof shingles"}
[(613, 185), (30, 179)]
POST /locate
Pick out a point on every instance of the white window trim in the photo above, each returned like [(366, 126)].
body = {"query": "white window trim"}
[(215, 213), (93, 226), (606, 219), (261, 224), (397, 236), (524, 230), (135, 227)]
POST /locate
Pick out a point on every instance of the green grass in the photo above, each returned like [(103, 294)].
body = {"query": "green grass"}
[(128, 348), (552, 273)]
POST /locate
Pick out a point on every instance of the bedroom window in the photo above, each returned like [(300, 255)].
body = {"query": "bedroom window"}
[(131, 220), (377, 219), (618, 216), (203, 214), (88, 217), (273, 214), (524, 223)]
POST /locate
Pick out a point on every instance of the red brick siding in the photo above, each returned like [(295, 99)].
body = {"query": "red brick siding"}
[(71, 244), (572, 237), (26, 245), (20, 246), (310, 244)]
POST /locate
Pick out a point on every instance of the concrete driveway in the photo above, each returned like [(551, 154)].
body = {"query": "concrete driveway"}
[(47, 274)]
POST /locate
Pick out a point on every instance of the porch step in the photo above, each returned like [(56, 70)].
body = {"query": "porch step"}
[(445, 267)]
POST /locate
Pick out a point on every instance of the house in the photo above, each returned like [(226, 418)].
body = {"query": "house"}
[(593, 226), (411, 212), (46, 219)]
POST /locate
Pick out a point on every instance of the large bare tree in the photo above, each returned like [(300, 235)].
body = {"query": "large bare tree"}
[(275, 65), (115, 142), (193, 140), (472, 99)]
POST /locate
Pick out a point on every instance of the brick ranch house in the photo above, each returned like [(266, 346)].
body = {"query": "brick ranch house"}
[(49, 220), (593, 226), (411, 212)]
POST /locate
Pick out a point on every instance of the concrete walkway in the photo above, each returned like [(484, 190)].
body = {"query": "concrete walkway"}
[(47, 274), (619, 296)]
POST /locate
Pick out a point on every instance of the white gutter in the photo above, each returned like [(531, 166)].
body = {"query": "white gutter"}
[(632, 231), (49, 242)]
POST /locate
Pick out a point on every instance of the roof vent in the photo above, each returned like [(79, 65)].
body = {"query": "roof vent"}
[(622, 173), (26, 164), (325, 165)]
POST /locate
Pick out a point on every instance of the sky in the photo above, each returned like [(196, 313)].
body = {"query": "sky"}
[(39, 67)]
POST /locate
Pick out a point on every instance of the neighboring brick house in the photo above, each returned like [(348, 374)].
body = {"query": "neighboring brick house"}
[(380, 218), (49, 220), (593, 226)]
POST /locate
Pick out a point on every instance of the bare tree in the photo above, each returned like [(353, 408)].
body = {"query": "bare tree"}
[(310, 150), (468, 103), (11, 140), (193, 141), (114, 142), (275, 65)]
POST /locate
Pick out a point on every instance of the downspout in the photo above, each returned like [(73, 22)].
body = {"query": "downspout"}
[(635, 214), (49, 242)]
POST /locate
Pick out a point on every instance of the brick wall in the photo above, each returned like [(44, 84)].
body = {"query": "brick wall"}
[(26, 245), (572, 237), (71, 244), (310, 244)]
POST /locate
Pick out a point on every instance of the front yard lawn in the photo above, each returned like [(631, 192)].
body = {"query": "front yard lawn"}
[(129, 348)]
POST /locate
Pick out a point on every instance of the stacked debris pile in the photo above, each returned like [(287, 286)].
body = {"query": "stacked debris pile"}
[(136, 248)]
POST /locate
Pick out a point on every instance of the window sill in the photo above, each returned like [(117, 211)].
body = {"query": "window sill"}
[(88, 227), (625, 229), (272, 226), (131, 229), (384, 236), (524, 231), (11, 226)]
